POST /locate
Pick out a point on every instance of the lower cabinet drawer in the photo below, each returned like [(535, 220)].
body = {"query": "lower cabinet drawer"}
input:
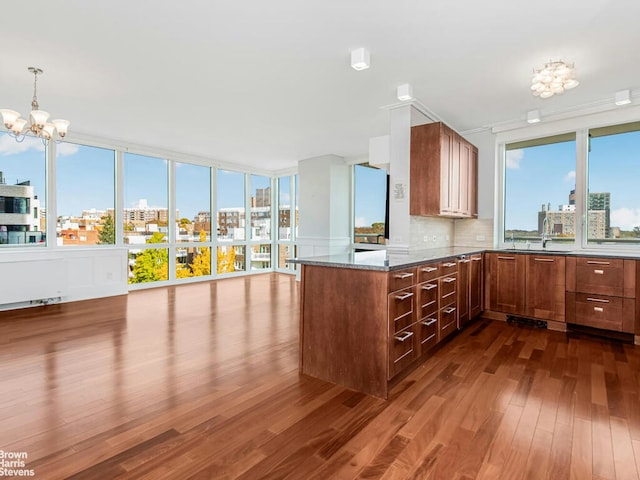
[(427, 329), (401, 308), (448, 321), (403, 348), (448, 289), (602, 311)]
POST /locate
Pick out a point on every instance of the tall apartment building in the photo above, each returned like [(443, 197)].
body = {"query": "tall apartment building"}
[(562, 222)]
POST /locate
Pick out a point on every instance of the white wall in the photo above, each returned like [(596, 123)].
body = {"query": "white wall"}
[(73, 274)]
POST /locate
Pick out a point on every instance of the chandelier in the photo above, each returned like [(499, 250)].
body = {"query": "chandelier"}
[(38, 125), (553, 79)]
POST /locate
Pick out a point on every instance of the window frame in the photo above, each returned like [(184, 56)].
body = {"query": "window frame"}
[(581, 129)]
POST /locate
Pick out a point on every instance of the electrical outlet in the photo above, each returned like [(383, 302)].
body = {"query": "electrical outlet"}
[(446, 237), (435, 238), (425, 238), (480, 238)]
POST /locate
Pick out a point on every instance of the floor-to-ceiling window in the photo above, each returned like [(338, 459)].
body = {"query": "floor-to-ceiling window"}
[(145, 217), (85, 195), (193, 220), (22, 192), (286, 222), (231, 222), (260, 198)]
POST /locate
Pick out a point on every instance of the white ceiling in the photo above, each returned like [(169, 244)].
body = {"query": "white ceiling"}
[(266, 84)]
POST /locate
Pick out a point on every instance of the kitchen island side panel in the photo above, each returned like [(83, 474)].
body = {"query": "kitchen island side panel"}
[(344, 327)]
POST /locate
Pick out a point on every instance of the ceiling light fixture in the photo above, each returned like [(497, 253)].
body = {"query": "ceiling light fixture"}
[(38, 125), (623, 97), (404, 92), (533, 116), (553, 79), (360, 59)]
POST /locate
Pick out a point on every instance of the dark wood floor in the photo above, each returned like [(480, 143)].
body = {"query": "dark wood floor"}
[(200, 382)]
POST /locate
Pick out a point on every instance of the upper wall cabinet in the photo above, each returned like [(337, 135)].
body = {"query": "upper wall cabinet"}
[(444, 173)]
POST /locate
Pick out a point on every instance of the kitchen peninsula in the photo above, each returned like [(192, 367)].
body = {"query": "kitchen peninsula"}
[(368, 318)]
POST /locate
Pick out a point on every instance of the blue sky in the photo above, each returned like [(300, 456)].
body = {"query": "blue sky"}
[(537, 175), (85, 178), (370, 198), (546, 174)]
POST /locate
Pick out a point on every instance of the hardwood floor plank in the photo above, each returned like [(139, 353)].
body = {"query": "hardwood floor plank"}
[(623, 449), (201, 381)]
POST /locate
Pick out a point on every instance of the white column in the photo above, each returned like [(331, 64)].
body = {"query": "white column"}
[(325, 187), (400, 155)]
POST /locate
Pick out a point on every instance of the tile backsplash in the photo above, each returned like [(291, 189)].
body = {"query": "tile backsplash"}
[(436, 232)]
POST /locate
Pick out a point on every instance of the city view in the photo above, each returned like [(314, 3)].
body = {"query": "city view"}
[(540, 182), (86, 212)]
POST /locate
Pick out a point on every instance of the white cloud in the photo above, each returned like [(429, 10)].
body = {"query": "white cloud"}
[(513, 159), (66, 149), (362, 222), (8, 145), (570, 176), (625, 218)]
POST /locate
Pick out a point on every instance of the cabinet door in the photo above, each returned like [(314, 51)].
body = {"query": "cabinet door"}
[(446, 148), (464, 194), (473, 182), (504, 282), (545, 287), (454, 174), (464, 266), (475, 286)]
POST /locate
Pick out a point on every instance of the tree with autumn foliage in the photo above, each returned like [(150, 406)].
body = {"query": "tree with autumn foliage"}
[(201, 264), (152, 263)]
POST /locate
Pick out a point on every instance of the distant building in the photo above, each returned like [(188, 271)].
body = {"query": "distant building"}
[(19, 213), (146, 214)]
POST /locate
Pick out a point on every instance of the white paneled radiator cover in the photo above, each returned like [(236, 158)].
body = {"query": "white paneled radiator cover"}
[(28, 280)]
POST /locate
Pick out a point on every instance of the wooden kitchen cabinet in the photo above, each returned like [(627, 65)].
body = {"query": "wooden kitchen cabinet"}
[(505, 282), (476, 286), (464, 291), (601, 293), (544, 287), (443, 173)]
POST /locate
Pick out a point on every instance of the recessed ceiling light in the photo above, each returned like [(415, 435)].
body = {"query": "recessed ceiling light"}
[(360, 59), (623, 97), (533, 116), (405, 92)]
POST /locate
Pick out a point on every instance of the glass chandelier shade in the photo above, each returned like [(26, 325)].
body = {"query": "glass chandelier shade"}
[(553, 79), (38, 124)]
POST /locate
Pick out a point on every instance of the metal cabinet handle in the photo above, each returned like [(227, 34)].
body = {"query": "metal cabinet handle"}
[(449, 264), (404, 296), (551, 260), (429, 286), (599, 300), (596, 262), (598, 272), (449, 279), (429, 269), (449, 310), (428, 322), (500, 257), (401, 337), (464, 260), (476, 259), (403, 275), (598, 309)]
